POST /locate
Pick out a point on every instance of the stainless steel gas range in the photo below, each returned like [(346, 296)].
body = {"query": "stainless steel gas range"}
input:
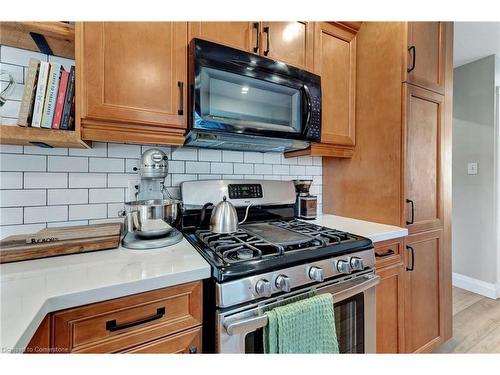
[(272, 259)]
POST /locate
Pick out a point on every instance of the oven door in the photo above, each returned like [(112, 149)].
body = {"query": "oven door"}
[(354, 305), (237, 92)]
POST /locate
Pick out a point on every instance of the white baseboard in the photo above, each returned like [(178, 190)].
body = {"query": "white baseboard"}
[(489, 290)]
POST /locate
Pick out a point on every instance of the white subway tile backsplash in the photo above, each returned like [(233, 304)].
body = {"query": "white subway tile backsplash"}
[(297, 169), (99, 149), (209, 177), (10, 216), (253, 157), (10, 108), (67, 164), (116, 150), (45, 214), (114, 209), (119, 180), (253, 177), (35, 150), (222, 168), (197, 167), (263, 169), (16, 71), (19, 56), (11, 149), (106, 165), (22, 163), (185, 153), (232, 156), (67, 196), (11, 180), (242, 168), (20, 198), (88, 211), (87, 180), (176, 166), (317, 160), (233, 177), (130, 164), (272, 158), (305, 160), (209, 155), (281, 169), (37, 180), (178, 178), (12, 230), (314, 170), (106, 195), (73, 223)]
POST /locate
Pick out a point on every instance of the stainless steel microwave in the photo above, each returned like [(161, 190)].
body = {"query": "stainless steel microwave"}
[(242, 101)]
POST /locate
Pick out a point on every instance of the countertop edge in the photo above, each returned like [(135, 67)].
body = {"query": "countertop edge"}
[(70, 300)]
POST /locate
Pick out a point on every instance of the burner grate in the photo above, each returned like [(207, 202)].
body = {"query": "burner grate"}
[(326, 235), (239, 246)]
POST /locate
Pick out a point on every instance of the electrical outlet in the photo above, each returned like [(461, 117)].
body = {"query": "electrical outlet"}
[(471, 168)]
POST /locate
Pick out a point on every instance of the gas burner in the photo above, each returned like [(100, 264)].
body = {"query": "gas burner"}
[(326, 235), (238, 247)]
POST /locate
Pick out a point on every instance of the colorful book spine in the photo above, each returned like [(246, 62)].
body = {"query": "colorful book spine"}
[(26, 109), (61, 93), (68, 100), (40, 94), (51, 94)]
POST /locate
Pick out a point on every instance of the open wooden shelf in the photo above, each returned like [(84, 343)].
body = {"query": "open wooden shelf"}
[(59, 37), (323, 149), (27, 136)]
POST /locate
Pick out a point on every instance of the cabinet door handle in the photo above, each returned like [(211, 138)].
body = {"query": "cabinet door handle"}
[(386, 254), (112, 326), (412, 212), (257, 42), (266, 30), (412, 252), (413, 51), (180, 112)]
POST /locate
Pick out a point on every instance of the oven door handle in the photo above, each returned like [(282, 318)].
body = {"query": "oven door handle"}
[(260, 321)]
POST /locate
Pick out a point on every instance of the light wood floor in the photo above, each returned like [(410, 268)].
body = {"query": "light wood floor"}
[(476, 324)]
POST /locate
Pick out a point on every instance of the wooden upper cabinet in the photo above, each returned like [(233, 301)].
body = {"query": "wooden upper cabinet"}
[(425, 57), (335, 61), (289, 42), (240, 35), (423, 159), (132, 73), (424, 312)]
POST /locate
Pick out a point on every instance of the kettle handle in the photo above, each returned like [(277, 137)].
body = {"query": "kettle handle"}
[(204, 211), (246, 215)]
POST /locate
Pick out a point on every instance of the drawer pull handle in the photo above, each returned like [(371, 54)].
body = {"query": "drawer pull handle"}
[(112, 326), (386, 254)]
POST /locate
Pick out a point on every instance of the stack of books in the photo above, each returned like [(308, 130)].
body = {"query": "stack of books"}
[(49, 97)]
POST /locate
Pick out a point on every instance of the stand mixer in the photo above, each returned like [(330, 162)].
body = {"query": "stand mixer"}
[(150, 220)]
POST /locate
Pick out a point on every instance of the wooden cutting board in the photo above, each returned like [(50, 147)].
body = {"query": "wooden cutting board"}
[(51, 242)]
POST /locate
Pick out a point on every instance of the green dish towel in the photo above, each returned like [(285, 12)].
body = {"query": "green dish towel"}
[(305, 326)]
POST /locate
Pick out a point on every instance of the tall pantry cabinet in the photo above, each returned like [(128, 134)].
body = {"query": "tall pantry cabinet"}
[(400, 172)]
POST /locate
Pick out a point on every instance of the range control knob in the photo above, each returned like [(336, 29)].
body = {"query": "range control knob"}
[(263, 288), (343, 266), (357, 264), (283, 283), (316, 274)]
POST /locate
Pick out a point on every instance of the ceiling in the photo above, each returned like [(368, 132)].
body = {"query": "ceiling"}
[(475, 40)]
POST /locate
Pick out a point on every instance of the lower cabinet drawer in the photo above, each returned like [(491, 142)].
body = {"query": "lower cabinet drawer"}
[(388, 252), (187, 342), (122, 323)]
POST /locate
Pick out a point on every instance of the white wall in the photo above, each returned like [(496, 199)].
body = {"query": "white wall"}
[(475, 139), (42, 187)]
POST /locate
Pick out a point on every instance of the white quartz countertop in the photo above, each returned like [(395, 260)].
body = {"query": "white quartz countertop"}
[(374, 231), (31, 289)]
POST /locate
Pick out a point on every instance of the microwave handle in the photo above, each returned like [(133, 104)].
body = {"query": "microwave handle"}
[(307, 94)]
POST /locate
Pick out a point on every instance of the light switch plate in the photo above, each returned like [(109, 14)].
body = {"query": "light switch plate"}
[(471, 168)]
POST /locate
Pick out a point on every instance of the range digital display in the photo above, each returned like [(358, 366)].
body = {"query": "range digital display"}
[(245, 191)]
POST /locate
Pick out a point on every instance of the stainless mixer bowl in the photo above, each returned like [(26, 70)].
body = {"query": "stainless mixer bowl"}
[(153, 218)]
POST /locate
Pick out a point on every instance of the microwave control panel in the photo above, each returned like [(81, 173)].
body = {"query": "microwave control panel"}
[(244, 191), (315, 121)]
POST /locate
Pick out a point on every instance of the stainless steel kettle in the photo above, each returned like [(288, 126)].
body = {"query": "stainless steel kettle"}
[(224, 218)]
